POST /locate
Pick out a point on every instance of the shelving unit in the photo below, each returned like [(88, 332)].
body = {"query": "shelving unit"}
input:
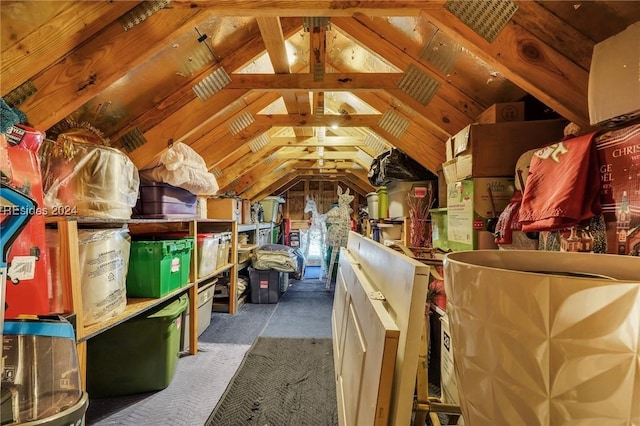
[(382, 223), (254, 232), (68, 226)]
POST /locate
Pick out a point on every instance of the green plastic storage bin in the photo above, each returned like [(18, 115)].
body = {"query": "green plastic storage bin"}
[(137, 356), (157, 268)]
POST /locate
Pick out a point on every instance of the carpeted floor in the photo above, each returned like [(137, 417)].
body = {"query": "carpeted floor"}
[(304, 311), (282, 381)]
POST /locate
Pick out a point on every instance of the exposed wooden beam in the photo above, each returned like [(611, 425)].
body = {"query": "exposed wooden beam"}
[(458, 91), (527, 62), (400, 101), (555, 32), (329, 141), (92, 67), (332, 82), (327, 155), (273, 37), (259, 192), (219, 127), (414, 146), (379, 103), (243, 159), (308, 7), (451, 100), (271, 173), (72, 26), (195, 111)]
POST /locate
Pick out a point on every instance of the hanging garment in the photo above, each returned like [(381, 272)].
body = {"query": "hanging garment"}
[(563, 186)]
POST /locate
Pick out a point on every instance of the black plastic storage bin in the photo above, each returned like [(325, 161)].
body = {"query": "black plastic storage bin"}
[(265, 285), (163, 201)]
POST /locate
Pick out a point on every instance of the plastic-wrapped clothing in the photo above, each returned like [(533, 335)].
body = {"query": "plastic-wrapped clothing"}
[(183, 167)]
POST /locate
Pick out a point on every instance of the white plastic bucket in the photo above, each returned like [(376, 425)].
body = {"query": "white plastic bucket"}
[(545, 338), (372, 205)]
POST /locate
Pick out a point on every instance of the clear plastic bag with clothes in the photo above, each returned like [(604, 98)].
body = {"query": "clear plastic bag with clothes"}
[(86, 179), (183, 167)]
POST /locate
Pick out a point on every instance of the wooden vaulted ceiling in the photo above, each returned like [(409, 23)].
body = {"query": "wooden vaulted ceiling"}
[(315, 88)]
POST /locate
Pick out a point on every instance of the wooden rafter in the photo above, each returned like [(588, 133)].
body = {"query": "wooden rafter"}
[(552, 30), (273, 37), (453, 98), (333, 82), (73, 25), (527, 62), (308, 7), (91, 68)]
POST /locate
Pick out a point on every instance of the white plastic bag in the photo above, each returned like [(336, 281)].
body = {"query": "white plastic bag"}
[(181, 166), (104, 262)]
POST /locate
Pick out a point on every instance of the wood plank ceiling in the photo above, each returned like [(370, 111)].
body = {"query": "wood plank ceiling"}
[(297, 90)]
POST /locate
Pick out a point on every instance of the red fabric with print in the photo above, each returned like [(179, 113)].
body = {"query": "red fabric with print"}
[(563, 186)]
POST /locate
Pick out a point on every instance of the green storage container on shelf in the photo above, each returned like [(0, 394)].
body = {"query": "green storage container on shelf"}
[(157, 268), (139, 355)]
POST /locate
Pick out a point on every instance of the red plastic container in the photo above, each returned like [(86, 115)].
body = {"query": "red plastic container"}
[(28, 281)]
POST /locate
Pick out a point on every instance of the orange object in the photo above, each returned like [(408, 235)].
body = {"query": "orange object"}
[(28, 282)]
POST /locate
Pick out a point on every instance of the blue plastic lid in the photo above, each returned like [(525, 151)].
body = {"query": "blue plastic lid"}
[(39, 328)]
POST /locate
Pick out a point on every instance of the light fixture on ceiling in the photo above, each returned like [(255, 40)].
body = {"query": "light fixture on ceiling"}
[(321, 151), (321, 162), (334, 126)]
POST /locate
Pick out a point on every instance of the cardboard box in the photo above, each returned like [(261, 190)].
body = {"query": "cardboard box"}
[(484, 150), (619, 159), (613, 77), (469, 209), (503, 112), (442, 189), (448, 381), (225, 208)]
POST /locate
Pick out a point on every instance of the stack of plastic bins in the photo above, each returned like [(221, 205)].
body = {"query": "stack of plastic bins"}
[(157, 268), (137, 356)]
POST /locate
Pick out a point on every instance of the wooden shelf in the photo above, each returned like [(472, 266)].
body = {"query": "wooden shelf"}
[(247, 247), (68, 227), (135, 307), (215, 273)]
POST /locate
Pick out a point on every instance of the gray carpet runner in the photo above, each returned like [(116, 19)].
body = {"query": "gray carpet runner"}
[(282, 381)]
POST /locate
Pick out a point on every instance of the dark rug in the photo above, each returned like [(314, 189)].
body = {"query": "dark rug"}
[(281, 381)]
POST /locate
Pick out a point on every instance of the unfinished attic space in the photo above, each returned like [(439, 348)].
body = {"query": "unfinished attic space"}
[(314, 212)]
